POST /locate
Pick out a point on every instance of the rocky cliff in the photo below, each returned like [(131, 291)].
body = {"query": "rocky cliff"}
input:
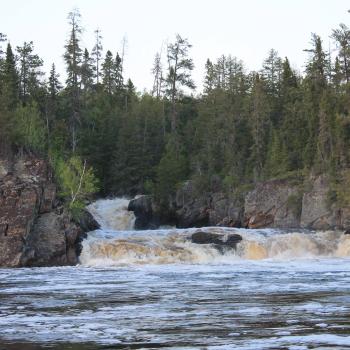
[(276, 203), (35, 230)]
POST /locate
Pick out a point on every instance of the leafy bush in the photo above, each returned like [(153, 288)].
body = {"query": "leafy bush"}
[(77, 181)]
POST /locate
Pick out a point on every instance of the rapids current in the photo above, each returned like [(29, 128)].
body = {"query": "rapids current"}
[(116, 243), (156, 289)]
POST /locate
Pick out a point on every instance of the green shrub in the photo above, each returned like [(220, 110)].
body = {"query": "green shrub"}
[(77, 182)]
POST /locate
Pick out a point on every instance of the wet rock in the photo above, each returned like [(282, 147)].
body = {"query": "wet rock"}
[(143, 208), (87, 222), (204, 237), (50, 239)]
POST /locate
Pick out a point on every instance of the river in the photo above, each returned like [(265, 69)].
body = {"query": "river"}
[(155, 289)]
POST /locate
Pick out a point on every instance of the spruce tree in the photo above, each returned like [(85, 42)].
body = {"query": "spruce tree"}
[(157, 72), (10, 93), (87, 74), (2, 39), (342, 38), (118, 72), (53, 88), (179, 74), (260, 125), (29, 70), (97, 55), (209, 79), (73, 58), (108, 73)]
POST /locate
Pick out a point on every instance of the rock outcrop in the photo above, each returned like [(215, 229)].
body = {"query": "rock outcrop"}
[(288, 203), (191, 209), (187, 209), (316, 212), (272, 204), (34, 229)]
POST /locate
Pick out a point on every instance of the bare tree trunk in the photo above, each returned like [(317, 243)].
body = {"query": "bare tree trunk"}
[(74, 195)]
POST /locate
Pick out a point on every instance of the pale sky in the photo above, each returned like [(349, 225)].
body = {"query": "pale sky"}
[(246, 29)]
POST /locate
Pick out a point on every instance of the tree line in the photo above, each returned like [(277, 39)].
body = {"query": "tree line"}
[(244, 126)]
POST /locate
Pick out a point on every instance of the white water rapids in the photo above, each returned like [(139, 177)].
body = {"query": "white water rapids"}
[(158, 290), (117, 244)]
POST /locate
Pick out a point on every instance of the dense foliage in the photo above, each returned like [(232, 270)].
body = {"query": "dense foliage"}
[(243, 127)]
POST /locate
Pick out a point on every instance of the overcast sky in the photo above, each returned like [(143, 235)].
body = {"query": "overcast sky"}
[(244, 28)]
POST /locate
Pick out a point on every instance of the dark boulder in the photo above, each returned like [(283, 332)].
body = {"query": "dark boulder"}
[(143, 209), (87, 222), (217, 239), (52, 241)]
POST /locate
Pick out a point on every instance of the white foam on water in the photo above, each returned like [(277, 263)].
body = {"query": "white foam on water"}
[(116, 243)]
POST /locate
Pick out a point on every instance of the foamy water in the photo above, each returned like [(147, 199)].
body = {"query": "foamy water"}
[(156, 289)]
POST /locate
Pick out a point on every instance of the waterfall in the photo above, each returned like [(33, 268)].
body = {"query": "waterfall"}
[(113, 214), (116, 243)]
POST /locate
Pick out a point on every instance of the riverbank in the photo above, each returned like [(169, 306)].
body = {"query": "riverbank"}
[(277, 203), (35, 228)]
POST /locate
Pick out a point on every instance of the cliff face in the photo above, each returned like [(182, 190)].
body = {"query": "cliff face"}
[(34, 229), (274, 203)]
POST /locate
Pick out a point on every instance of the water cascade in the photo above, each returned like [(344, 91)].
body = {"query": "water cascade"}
[(116, 243)]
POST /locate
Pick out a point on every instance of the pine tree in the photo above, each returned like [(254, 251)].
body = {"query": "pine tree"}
[(29, 72), (87, 74), (118, 72), (179, 74), (314, 84), (337, 75), (325, 137), (235, 76), (342, 38), (272, 71), (53, 86), (73, 58), (260, 125), (221, 73), (108, 73), (2, 39), (130, 94), (97, 55), (157, 72), (10, 93), (209, 80), (2, 60), (317, 64)]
